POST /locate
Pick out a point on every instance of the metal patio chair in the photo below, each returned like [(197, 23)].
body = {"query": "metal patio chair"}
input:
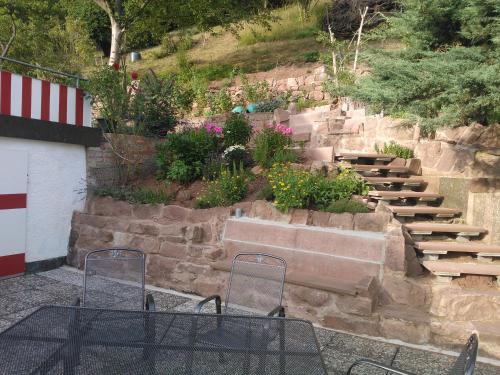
[(255, 286), (114, 278), (464, 365)]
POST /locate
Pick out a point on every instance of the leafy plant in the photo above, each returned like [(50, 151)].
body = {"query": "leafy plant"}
[(284, 156), (134, 195), (347, 205), (270, 105), (269, 141), (219, 101), (236, 154), (237, 130), (180, 172), (255, 93), (394, 149), (229, 188), (312, 56), (191, 146), (266, 193)]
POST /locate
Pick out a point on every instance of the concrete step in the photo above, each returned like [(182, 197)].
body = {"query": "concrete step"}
[(319, 154), (360, 156), (328, 284), (307, 118), (444, 247), (411, 211), (450, 268), (329, 252), (405, 194), (395, 181), (429, 228)]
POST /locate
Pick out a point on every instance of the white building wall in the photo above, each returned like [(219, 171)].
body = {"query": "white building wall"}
[(56, 187)]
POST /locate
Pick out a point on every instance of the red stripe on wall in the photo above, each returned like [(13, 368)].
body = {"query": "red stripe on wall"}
[(45, 113), (26, 99), (79, 107), (63, 103), (11, 265), (6, 79), (12, 201)]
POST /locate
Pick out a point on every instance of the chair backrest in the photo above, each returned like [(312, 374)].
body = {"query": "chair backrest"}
[(256, 283), (114, 278), (466, 361)]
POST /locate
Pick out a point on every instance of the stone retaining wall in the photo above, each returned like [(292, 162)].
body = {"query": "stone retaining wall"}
[(182, 245), (119, 159)]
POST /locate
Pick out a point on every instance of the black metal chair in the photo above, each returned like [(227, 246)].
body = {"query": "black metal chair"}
[(114, 278), (464, 365), (255, 286)]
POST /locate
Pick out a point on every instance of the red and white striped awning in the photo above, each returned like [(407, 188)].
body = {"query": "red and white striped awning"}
[(42, 100)]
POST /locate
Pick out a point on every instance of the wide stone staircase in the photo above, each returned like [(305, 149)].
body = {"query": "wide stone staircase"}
[(446, 246)]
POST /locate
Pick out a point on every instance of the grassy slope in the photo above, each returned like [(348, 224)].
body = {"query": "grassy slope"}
[(256, 49)]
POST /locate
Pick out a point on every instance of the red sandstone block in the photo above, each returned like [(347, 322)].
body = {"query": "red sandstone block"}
[(264, 232)]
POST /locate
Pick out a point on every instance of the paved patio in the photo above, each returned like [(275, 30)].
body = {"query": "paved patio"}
[(22, 295)]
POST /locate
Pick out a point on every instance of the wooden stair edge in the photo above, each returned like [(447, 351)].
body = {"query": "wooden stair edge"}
[(443, 227), (451, 268), (452, 246), (303, 279)]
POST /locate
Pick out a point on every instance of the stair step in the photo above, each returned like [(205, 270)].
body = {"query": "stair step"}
[(396, 195), (404, 181), (443, 247), (454, 268), (423, 210), (328, 252), (352, 156), (329, 284), (307, 118), (428, 228)]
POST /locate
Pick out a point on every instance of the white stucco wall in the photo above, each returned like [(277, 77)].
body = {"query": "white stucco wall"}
[(56, 187)]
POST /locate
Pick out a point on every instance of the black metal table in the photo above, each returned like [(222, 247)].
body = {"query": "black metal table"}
[(72, 340)]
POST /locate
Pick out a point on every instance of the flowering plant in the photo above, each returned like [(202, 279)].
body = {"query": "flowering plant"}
[(281, 128), (213, 128), (269, 142), (231, 149)]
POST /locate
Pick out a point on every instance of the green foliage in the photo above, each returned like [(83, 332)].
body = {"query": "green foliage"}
[(394, 149), (219, 101), (180, 172), (154, 105), (284, 156), (236, 154), (255, 93), (229, 188), (237, 130), (347, 205), (450, 73), (303, 103), (312, 56), (271, 104), (193, 147), (268, 143), (266, 193), (134, 195), (447, 88), (297, 188)]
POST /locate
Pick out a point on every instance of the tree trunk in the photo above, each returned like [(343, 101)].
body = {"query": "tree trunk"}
[(363, 15), (116, 42)]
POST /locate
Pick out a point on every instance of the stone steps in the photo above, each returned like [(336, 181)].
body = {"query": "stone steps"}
[(429, 228), (333, 285), (332, 253), (445, 247), (378, 169), (412, 211), (408, 194), (451, 268), (356, 156), (395, 181)]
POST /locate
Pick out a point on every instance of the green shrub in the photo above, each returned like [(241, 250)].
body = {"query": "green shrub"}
[(312, 56), (180, 172), (229, 188), (394, 149), (297, 188), (219, 101), (270, 141), (256, 92), (284, 156), (237, 130), (266, 193), (192, 147), (134, 195), (347, 205), (270, 105)]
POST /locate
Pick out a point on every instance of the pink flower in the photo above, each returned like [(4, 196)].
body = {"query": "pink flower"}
[(115, 66), (134, 75)]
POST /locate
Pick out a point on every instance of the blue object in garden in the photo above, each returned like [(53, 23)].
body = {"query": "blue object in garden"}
[(238, 109), (135, 56), (251, 108)]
